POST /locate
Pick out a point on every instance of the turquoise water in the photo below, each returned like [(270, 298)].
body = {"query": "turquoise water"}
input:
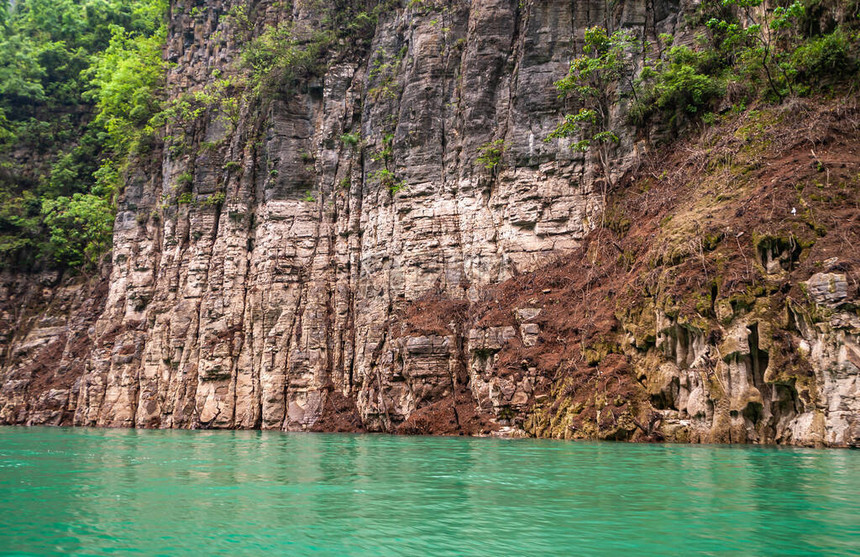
[(88, 491)]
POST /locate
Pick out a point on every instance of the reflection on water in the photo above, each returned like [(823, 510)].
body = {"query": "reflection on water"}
[(179, 492)]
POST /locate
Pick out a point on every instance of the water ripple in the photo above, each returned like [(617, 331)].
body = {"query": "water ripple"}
[(189, 493)]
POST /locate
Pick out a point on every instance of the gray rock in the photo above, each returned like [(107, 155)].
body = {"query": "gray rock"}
[(827, 289)]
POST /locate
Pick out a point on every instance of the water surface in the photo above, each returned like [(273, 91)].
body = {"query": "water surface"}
[(89, 491)]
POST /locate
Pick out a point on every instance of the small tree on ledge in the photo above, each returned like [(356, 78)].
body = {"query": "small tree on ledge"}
[(593, 80)]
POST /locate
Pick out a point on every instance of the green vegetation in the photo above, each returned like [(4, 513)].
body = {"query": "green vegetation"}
[(79, 86), (385, 176), (387, 179), (80, 227), (287, 54), (758, 38), (283, 55), (386, 154), (676, 83), (383, 73), (218, 98), (126, 81), (351, 139), (490, 153), (215, 200), (592, 82), (748, 51)]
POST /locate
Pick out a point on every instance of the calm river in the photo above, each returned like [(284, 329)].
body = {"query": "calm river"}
[(90, 491)]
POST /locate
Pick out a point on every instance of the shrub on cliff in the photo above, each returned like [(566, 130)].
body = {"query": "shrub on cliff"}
[(490, 153), (825, 60), (678, 82), (282, 55), (592, 82)]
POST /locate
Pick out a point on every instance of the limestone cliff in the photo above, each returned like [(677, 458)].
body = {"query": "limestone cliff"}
[(265, 273)]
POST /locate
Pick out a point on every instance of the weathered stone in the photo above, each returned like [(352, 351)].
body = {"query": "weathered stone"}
[(530, 333), (253, 312), (827, 289), (527, 314)]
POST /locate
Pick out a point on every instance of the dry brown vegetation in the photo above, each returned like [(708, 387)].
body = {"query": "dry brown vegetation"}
[(689, 231)]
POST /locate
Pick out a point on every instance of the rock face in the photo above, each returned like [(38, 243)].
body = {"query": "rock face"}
[(244, 314), (47, 339), (748, 389), (264, 273)]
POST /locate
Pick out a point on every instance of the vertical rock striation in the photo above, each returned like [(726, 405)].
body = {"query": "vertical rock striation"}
[(248, 313), (266, 275)]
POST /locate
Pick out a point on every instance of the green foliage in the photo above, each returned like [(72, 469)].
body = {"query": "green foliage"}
[(760, 41), (385, 176), (80, 228), (216, 199), (774, 48), (757, 49), (351, 139), (396, 186), (126, 81), (20, 227), (239, 18), (676, 83), (593, 82), (681, 86), (490, 153), (184, 180), (182, 113), (383, 74), (387, 179), (282, 55), (824, 60), (386, 154), (79, 82)]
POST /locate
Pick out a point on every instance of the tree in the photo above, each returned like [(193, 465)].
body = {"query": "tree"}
[(80, 227), (593, 80), (126, 81), (763, 37), (80, 82)]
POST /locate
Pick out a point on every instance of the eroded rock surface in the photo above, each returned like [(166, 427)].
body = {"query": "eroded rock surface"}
[(280, 297)]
